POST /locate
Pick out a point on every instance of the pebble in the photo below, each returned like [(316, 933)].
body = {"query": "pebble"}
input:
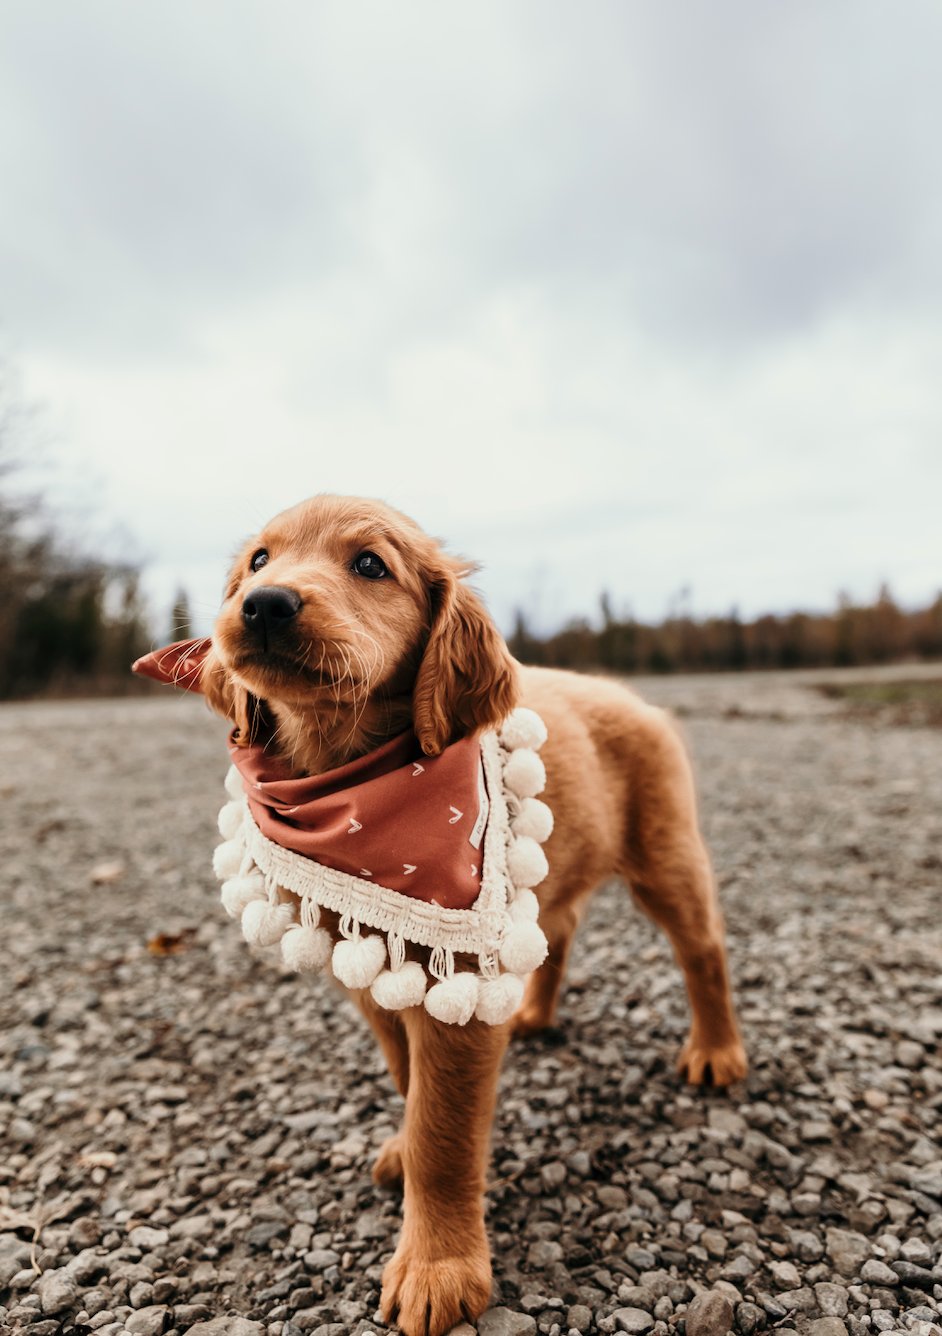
[(503, 1322), (832, 1299), (848, 1250), (148, 1321), (57, 1291), (827, 1326), (709, 1314), (874, 1272), (634, 1320), (226, 1326)]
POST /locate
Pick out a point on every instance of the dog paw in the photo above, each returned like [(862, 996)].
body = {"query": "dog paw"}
[(531, 1020), (387, 1167), (718, 1065), (425, 1297)]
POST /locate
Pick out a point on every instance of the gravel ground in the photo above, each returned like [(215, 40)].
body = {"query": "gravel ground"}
[(187, 1131)]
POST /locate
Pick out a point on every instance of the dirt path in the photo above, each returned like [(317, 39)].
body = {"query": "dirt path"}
[(189, 1134)]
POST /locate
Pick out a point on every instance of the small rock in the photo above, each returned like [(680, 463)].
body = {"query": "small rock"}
[(106, 874), (832, 1299), (226, 1326), (634, 1320), (749, 1318), (797, 1301), (544, 1253), (714, 1242), (553, 1175), (637, 1296), (878, 1273), (147, 1239), (57, 1291), (148, 1321), (502, 1322), (786, 1274), (14, 1256), (579, 1318), (917, 1276), (709, 1314), (848, 1250), (827, 1326)]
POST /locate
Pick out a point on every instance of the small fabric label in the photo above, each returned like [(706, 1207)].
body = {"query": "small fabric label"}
[(484, 807)]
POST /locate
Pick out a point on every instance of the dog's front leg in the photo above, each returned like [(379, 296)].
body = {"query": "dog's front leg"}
[(441, 1270)]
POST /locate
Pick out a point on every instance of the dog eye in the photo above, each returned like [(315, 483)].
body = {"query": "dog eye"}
[(259, 560), (369, 566)]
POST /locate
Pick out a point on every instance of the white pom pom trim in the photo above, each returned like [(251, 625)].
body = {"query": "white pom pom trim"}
[(227, 859), (397, 989), (230, 819), (238, 892), (453, 1000), (357, 962), (525, 907), (264, 924), (533, 819), (304, 949), (524, 948), (523, 728), (498, 999), (524, 773), (526, 862), (234, 783)]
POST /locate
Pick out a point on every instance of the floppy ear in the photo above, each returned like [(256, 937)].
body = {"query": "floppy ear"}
[(467, 680), (231, 700)]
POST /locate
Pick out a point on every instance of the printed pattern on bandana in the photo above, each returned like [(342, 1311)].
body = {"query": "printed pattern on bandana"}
[(388, 817)]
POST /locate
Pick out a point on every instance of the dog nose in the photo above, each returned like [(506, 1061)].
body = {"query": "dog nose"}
[(269, 608)]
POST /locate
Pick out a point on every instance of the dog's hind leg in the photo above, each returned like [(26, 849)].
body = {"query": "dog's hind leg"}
[(668, 869)]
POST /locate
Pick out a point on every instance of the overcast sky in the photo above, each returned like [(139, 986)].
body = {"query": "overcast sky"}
[(611, 295)]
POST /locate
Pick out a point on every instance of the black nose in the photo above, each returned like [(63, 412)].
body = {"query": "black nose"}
[(269, 608)]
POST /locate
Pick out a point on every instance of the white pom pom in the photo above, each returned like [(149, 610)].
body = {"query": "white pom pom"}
[(534, 819), (264, 924), (357, 962), (523, 728), (525, 907), (397, 989), (230, 819), (498, 999), (238, 892), (234, 783), (524, 774), (304, 949), (526, 862), (227, 859), (453, 1000), (524, 948)]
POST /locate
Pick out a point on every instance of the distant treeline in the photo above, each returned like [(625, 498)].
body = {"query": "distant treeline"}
[(69, 623), (880, 632)]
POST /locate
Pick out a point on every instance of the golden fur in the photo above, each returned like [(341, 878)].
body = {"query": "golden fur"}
[(362, 660)]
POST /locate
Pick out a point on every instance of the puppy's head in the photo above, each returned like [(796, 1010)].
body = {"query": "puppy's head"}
[(341, 601)]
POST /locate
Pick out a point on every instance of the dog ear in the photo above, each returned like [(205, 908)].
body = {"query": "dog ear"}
[(232, 701), (466, 680)]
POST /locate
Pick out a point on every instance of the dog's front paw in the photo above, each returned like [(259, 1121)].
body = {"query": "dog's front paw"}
[(428, 1296), (717, 1064), (387, 1167)]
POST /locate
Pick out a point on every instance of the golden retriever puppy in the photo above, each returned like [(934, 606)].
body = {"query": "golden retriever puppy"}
[(344, 624)]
